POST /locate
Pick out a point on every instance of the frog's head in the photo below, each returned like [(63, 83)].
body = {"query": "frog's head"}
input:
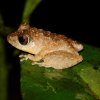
[(21, 39)]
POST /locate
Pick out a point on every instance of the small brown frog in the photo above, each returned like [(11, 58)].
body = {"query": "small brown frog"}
[(46, 48)]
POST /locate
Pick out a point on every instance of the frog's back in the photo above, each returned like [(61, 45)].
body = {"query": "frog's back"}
[(48, 36)]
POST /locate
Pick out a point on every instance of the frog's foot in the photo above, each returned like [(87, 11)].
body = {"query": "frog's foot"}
[(25, 57), (34, 59), (38, 62)]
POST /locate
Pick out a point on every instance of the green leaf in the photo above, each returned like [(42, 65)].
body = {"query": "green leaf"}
[(90, 70), (30, 6), (3, 72), (81, 82), (4, 66)]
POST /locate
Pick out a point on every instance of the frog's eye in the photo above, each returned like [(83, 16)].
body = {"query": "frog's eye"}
[(24, 39)]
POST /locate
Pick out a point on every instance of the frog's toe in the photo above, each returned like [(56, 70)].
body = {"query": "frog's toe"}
[(38, 62), (23, 57)]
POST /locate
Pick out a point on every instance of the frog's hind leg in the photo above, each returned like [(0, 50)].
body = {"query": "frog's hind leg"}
[(60, 59)]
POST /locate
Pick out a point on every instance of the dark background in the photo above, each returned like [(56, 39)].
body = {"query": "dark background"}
[(78, 20)]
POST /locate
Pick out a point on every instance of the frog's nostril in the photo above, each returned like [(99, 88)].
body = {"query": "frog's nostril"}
[(8, 38)]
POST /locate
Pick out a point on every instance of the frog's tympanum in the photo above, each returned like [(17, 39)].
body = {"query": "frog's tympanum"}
[(45, 48)]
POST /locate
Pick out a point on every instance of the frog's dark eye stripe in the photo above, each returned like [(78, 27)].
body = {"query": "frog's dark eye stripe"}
[(24, 39)]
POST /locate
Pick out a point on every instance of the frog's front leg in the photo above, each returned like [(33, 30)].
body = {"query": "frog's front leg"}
[(33, 58)]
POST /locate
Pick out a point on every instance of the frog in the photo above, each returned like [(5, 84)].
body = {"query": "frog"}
[(45, 48)]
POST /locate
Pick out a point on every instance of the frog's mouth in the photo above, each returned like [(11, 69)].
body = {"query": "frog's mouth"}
[(24, 53)]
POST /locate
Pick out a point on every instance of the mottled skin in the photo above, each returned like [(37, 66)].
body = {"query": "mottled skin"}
[(46, 48)]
